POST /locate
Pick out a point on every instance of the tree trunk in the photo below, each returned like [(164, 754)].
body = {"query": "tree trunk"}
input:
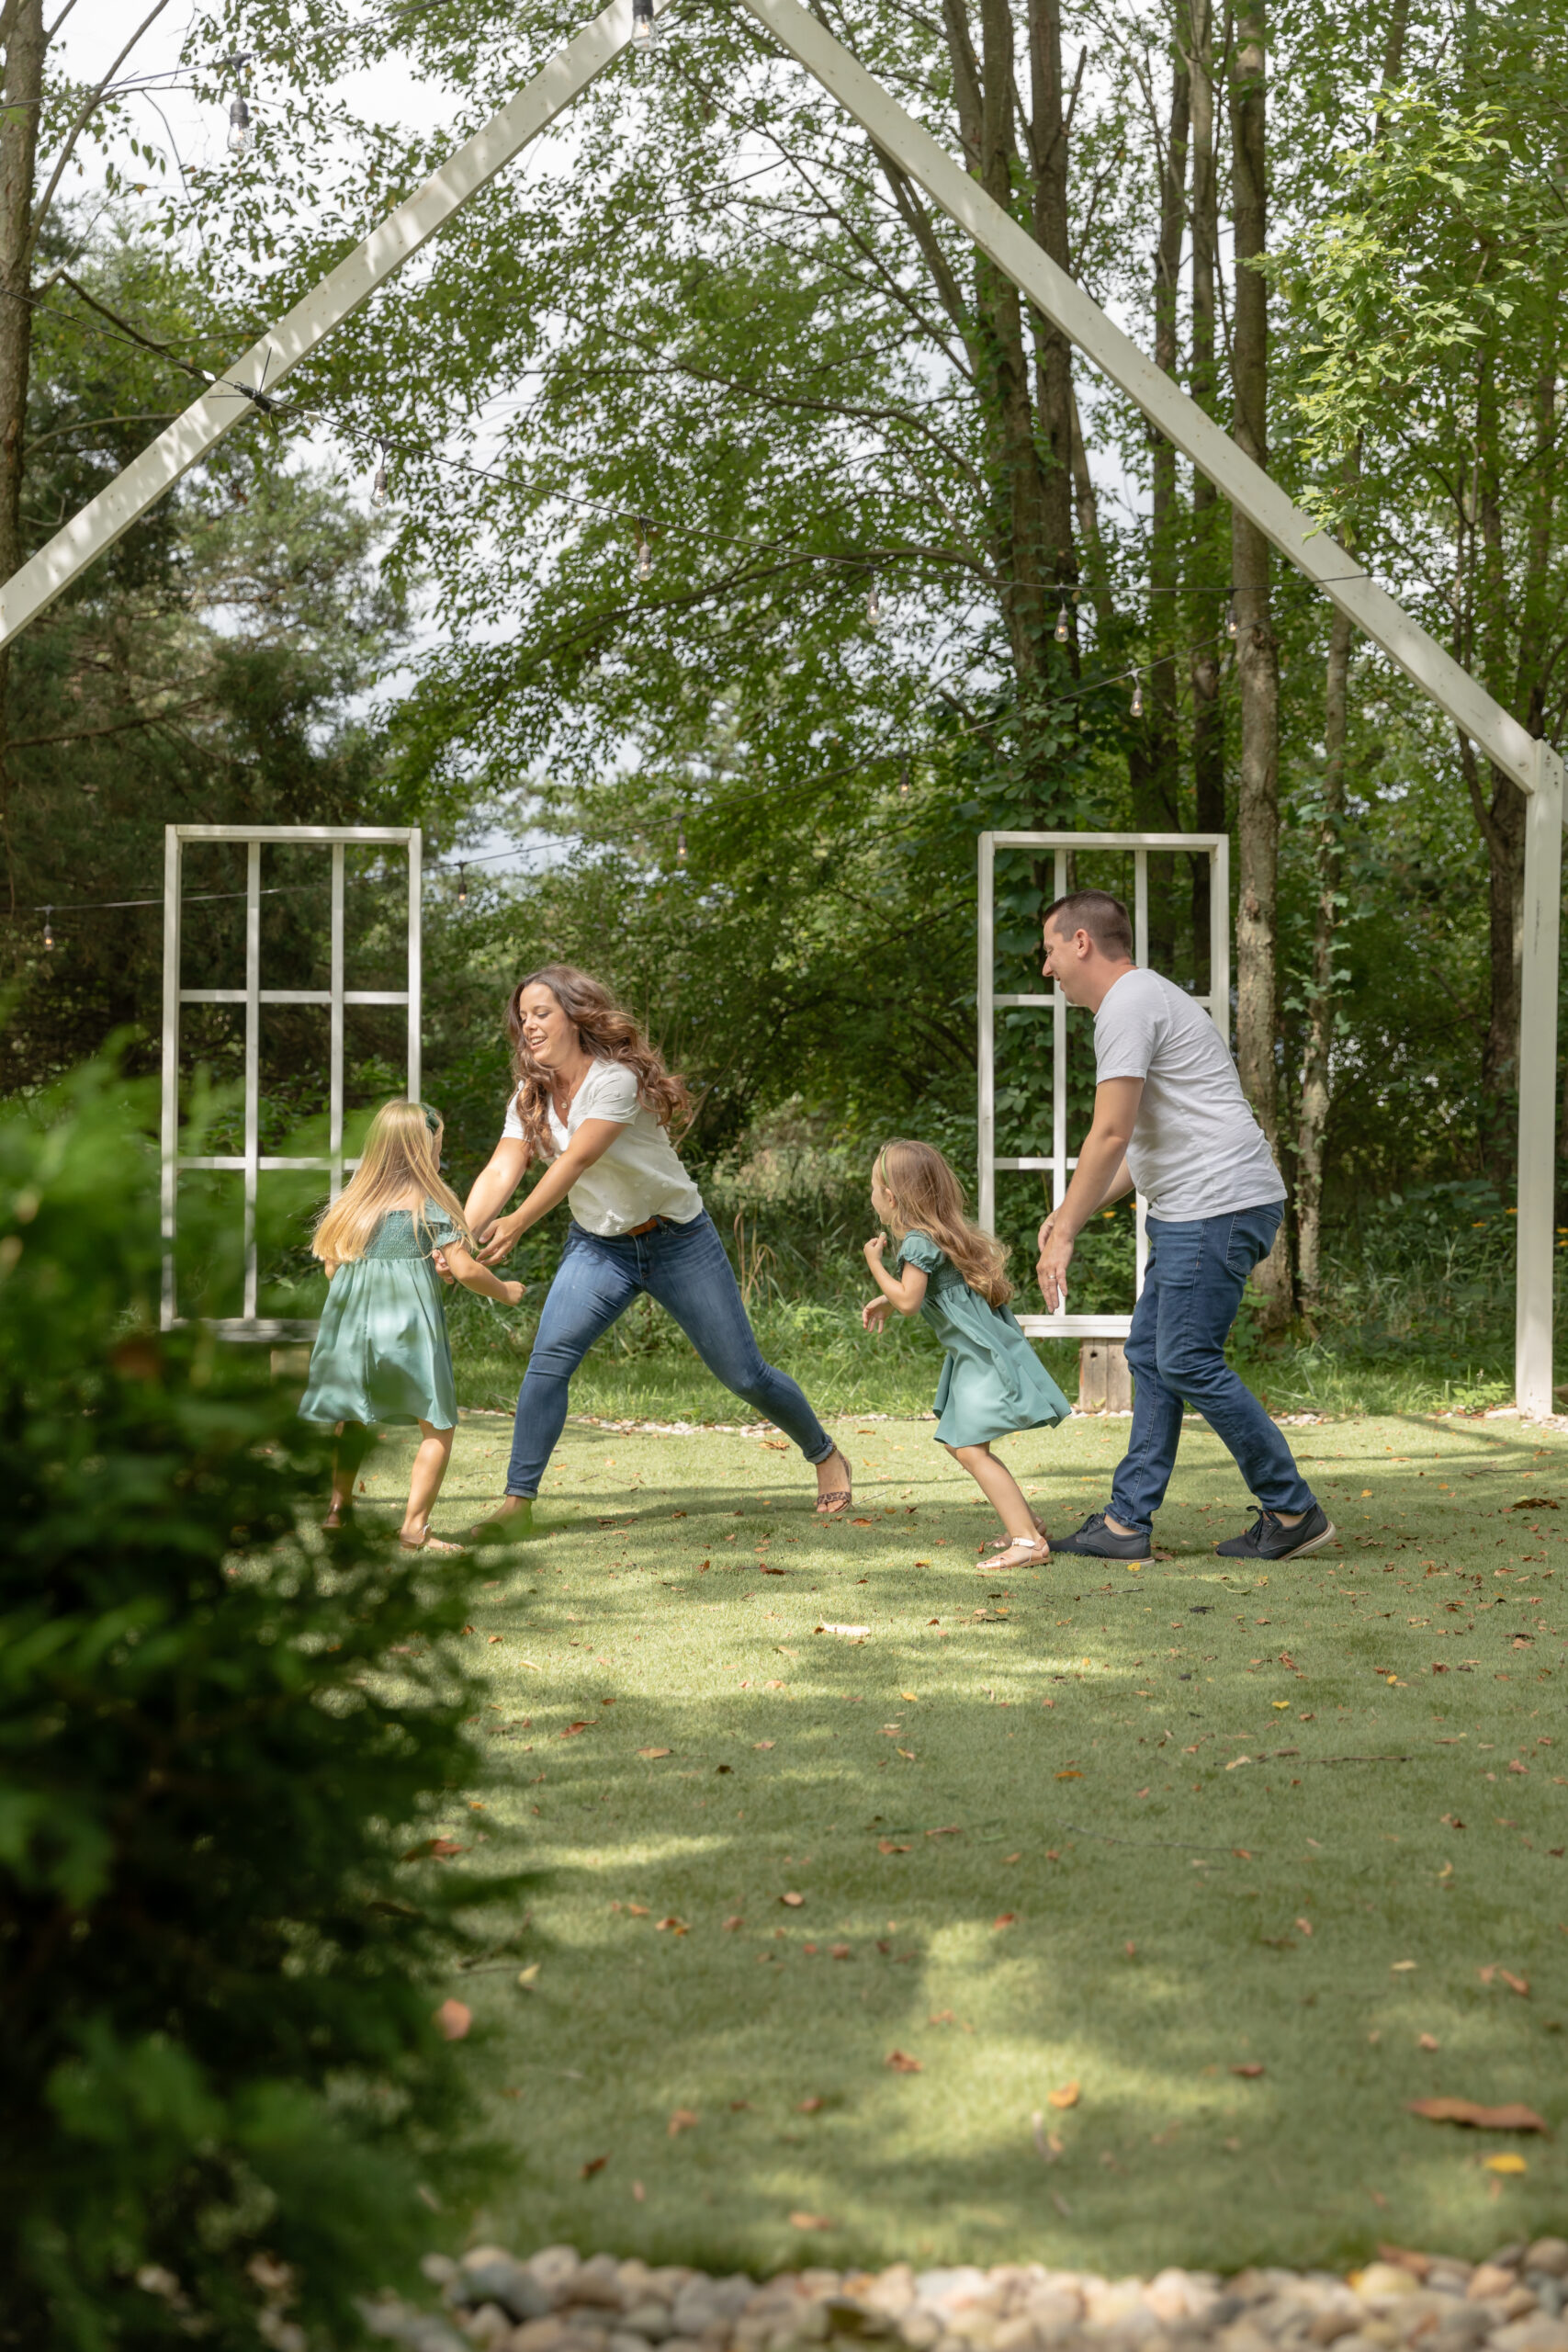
[(1155, 754), (1053, 365), (21, 98), (1208, 722), (1316, 1070), (1258, 653)]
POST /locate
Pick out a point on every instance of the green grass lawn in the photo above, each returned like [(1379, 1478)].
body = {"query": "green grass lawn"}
[(1028, 1856)]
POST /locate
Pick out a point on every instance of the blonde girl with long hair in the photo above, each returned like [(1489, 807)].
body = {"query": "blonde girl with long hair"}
[(382, 1355), (954, 1276)]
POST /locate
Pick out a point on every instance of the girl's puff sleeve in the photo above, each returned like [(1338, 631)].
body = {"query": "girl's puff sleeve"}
[(920, 1250)]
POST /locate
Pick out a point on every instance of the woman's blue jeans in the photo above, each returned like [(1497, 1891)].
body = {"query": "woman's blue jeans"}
[(1175, 1352), (684, 1268)]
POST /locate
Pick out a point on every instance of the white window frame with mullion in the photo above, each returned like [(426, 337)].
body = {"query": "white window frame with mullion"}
[(1059, 1161), (250, 1163)]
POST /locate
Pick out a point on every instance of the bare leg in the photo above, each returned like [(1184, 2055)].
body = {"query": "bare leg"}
[(353, 1443), (433, 1453), (1000, 1489), (834, 1476)]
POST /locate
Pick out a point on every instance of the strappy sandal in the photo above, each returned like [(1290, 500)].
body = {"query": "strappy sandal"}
[(834, 1501), (1018, 1552), (336, 1519), (428, 1543)]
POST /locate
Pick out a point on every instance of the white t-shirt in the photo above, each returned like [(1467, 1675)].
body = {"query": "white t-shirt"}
[(1197, 1150), (640, 1176)]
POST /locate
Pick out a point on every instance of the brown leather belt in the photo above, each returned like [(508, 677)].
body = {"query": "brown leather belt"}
[(634, 1230)]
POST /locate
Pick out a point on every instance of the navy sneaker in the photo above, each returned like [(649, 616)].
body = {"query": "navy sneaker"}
[(1268, 1539), (1098, 1541)]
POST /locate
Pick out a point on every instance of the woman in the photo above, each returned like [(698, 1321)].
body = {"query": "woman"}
[(594, 1098)]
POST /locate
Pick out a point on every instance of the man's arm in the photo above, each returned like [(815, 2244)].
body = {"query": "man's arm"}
[(1099, 1176)]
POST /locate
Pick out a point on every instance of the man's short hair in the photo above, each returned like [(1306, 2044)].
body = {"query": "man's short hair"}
[(1104, 918)]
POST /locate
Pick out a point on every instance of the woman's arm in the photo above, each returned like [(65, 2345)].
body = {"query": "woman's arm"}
[(475, 1277), (906, 1295), (495, 1184), (590, 1142)]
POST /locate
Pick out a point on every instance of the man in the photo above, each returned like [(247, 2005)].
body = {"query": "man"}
[(1170, 1117)]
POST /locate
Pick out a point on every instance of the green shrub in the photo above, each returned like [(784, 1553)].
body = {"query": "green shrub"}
[(223, 2089)]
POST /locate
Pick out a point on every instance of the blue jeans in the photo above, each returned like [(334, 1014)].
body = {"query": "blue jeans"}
[(1176, 1351), (684, 1268)]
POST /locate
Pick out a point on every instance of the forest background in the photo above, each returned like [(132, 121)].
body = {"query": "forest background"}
[(748, 547)]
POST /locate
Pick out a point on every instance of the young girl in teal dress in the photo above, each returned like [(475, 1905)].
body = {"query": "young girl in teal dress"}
[(381, 1354), (992, 1382)]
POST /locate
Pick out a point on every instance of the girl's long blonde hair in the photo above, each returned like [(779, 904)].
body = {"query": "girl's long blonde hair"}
[(608, 1034), (929, 1199), (403, 1155)]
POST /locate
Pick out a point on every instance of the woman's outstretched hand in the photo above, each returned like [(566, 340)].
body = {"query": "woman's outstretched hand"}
[(494, 1243), (873, 1315)]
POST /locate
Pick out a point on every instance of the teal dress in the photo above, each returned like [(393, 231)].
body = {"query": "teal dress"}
[(992, 1381), (382, 1353)]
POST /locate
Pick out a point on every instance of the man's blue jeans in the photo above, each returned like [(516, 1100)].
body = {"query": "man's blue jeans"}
[(1176, 1351), (684, 1268)]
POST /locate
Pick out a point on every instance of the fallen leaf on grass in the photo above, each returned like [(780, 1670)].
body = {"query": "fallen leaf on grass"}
[(735, 1920), (794, 1901), (683, 2119), (846, 1632), (1427, 2041), (811, 2222), (773, 1445), (572, 1729), (1065, 2097), (1511, 2117), (1508, 2162), (863, 1523), (453, 2020), (902, 2063), (1250, 2068), (910, 1694), (1520, 1985), (1305, 1926), (1005, 1919), (890, 1845), (951, 1830), (679, 1925), (812, 2105), (761, 1743), (435, 1849), (637, 1910), (528, 1977), (594, 2164), (1401, 1967), (655, 1751), (1069, 1776)]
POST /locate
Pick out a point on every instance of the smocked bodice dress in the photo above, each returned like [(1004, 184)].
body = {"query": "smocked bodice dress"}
[(992, 1381), (382, 1353)]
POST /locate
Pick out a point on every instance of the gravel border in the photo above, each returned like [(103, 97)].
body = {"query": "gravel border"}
[(555, 2301)]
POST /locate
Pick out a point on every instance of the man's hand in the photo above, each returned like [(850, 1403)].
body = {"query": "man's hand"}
[(1056, 1257), (499, 1239), (873, 1315), (1044, 1234)]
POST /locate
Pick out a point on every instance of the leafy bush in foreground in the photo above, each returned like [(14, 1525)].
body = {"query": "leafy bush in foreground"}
[(221, 2087)]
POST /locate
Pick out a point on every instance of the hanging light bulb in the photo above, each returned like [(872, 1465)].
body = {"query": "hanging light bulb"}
[(1137, 693), (238, 125), (1231, 619), (680, 845), (873, 605), (379, 493), (645, 31), (644, 555), (48, 928), (1063, 624), (462, 886), (904, 781)]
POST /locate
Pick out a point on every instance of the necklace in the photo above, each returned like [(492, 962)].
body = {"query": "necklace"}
[(562, 1103)]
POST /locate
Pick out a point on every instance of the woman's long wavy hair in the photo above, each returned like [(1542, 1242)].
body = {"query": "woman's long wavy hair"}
[(608, 1034), (929, 1199)]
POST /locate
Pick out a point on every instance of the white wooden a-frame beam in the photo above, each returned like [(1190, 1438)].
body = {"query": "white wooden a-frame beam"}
[(1532, 764)]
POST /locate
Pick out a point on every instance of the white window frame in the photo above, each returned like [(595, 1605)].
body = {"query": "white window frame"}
[(250, 1163), (988, 1004)]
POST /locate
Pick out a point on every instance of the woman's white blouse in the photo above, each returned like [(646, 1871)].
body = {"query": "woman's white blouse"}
[(640, 1176)]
